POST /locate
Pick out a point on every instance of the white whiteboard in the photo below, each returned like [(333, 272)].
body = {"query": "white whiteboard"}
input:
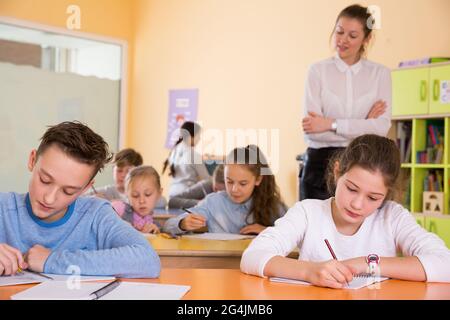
[(32, 99)]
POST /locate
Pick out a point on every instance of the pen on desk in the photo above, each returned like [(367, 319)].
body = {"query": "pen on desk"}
[(332, 252), (105, 290)]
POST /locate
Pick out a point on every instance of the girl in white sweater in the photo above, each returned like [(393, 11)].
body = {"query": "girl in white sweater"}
[(367, 232)]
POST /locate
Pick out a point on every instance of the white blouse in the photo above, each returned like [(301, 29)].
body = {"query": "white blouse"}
[(389, 231), (347, 93)]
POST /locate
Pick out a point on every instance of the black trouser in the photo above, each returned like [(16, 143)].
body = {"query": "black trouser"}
[(313, 176)]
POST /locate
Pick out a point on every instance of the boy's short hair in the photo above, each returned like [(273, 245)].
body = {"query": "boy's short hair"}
[(77, 141), (128, 157)]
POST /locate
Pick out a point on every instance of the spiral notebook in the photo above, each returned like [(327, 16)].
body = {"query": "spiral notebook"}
[(359, 281)]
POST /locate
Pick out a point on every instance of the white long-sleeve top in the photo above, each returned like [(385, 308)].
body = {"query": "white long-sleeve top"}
[(189, 168), (346, 93), (386, 232)]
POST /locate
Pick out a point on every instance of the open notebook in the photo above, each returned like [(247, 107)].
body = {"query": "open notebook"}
[(57, 290), (359, 281), (27, 277)]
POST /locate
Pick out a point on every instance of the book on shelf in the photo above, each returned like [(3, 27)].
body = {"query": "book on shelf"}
[(433, 181), (404, 130), (433, 152)]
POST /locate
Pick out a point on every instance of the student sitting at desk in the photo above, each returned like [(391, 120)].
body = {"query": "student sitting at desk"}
[(185, 165), (143, 189), (250, 203), (192, 195), (124, 161), (51, 228), (364, 228)]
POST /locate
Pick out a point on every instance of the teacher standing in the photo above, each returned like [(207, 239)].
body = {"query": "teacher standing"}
[(345, 96)]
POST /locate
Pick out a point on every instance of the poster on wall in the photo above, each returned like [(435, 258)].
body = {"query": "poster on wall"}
[(183, 105)]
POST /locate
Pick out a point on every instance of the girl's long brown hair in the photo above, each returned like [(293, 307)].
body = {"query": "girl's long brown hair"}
[(266, 199)]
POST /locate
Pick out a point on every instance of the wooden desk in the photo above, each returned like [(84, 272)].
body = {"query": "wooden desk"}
[(229, 284), (160, 216), (196, 253)]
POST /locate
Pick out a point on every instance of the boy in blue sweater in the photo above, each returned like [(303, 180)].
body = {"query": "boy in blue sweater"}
[(50, 229)]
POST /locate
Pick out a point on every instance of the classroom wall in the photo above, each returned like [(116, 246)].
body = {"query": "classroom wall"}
[(247, 57), (111, 18), (249, 60)]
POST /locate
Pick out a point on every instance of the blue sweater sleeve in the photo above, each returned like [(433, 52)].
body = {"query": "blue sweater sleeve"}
[(122, 252), (172, 225), (203, 208)]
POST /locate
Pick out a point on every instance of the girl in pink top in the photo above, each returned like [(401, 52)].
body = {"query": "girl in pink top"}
[(143, 189)]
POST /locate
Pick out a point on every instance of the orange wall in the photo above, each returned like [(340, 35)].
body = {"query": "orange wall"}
[(247, 57), (111, 18), (249, 60)]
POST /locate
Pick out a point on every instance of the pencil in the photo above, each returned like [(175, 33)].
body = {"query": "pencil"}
[(331, 249), (187, 210), (332, 253)]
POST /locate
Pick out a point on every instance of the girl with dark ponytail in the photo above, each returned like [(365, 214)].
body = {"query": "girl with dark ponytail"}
[(185, 164)]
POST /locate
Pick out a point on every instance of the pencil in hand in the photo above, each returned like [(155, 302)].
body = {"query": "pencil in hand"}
[(333, 254)]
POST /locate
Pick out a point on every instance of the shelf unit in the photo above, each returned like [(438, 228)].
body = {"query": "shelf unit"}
[(417, 98)]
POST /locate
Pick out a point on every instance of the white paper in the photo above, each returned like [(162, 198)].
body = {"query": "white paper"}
[(20, 278), (57, 290), (28, 277), (218, 236), (357, 282)]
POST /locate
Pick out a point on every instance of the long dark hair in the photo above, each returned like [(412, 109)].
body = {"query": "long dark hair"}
[(266, 198), (188, 129)]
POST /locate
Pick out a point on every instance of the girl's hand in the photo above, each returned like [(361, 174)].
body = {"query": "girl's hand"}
[(316, 123), (377, 109), (358, 265), (192, 221), (10, 260), (150, 228), (332, 273), (252, 229)]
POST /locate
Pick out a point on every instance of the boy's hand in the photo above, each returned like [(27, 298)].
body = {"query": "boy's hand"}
[(252, 229), (150, 228), (333, 274), (10, 260), (192, 222), (36, 257)]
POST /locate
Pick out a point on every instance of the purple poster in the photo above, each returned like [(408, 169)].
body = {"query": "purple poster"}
[(182, 107)]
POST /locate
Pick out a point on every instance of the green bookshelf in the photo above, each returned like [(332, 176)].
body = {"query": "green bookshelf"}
[(417, 104)]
